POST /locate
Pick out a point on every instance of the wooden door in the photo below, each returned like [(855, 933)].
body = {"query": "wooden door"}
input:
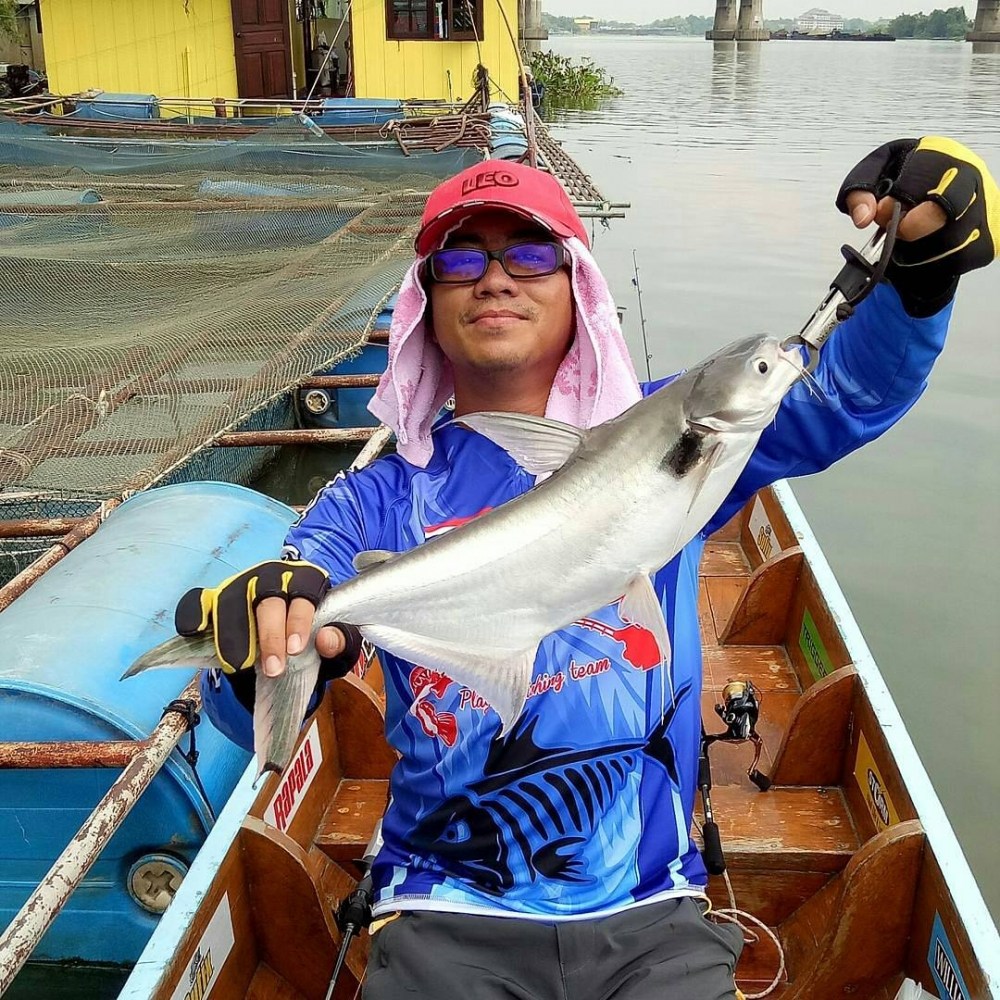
[(263, 48)]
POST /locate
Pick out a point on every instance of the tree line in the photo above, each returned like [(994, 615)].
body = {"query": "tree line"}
[(939, 23)]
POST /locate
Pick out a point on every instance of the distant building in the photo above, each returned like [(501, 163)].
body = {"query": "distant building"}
[(819, 22), (583, 24)]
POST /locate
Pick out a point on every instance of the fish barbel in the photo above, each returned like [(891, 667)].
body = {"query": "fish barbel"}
[(622, 500)]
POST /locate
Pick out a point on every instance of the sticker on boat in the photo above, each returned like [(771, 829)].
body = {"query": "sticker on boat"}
[(295, 781), (816, 656), (866, 772), (944, 965), (209, 956), (762, 532)]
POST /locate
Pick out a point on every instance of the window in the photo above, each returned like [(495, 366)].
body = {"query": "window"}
[(444, 20)]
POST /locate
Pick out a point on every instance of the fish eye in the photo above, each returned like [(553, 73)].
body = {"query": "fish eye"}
[(762, 366)]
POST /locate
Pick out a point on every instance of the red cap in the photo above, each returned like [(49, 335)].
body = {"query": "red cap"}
[(514, 187)]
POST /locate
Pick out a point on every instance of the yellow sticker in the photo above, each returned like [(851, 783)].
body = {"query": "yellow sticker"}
[(866, 771)]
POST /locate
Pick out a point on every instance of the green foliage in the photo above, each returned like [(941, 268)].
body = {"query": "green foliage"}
[(690, 25), (8, 19), (583, 85), (950, 23)]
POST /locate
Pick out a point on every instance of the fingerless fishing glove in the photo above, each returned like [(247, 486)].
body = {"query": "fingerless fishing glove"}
[(925, 272), (227, 612)]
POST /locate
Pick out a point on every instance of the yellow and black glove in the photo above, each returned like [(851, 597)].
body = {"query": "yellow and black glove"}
[(227, 611), (925, 271)]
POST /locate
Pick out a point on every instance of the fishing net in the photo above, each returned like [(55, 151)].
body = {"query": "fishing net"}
[(157, 293)]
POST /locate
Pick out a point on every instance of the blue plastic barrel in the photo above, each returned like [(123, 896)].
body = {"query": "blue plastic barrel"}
[(137, 106), (66, 642)]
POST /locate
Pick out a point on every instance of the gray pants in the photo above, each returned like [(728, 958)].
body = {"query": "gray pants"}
[(664, 951)]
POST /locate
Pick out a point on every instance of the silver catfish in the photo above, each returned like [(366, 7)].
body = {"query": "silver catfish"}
[(622, 500)]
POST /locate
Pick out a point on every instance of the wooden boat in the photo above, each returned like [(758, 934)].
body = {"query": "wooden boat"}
[(847, 857)]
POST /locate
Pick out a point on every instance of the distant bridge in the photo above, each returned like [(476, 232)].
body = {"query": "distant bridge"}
[(743, 20)]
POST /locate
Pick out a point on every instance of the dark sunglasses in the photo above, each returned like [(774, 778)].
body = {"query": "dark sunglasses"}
[(464, 265)]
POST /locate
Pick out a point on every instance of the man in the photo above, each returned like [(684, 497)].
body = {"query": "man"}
[(551, 844)]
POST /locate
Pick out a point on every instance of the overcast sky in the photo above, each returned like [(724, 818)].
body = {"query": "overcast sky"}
[(643, 11)]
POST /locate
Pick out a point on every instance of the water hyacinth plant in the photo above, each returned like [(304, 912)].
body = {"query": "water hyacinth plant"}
[(583, 85)]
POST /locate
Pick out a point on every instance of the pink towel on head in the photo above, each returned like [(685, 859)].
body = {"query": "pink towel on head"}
[(595, 382)]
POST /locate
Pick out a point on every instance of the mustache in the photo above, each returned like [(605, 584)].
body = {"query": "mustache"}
[(474, 314)]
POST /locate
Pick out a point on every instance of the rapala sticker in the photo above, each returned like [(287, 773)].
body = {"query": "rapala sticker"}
[(295, 781), (944, 965), (816, 656), (866, 772), (762, 532), (209, 956)]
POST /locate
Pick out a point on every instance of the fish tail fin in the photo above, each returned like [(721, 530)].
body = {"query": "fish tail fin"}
[(279, 709), (178, 651)]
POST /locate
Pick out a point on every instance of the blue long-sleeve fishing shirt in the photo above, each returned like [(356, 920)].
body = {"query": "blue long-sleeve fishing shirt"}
[(586, 808)]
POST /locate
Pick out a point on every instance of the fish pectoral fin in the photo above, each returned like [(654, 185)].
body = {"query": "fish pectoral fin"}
[(640, 606), (372, 557), (279, 709), (500, 676), (537, 444), (703, 470), (192, 652)]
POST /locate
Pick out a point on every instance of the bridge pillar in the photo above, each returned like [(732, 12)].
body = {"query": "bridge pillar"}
[(987, 27), (725, 22), (750, 26)]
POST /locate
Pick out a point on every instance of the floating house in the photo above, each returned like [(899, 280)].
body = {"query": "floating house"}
[(263, 49)]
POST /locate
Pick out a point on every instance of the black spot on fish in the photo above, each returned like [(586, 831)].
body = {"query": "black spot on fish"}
[(684, 455)]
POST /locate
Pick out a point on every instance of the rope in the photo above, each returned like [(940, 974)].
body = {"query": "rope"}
[(186, 707), (732, 914)]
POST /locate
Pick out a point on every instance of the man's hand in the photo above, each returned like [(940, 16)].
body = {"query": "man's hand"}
[(268, 608), (952, 214)]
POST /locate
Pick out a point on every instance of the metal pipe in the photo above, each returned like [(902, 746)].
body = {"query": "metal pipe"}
[(68, 753), (318, 435), (33, 527), (42, 907), (16, 587)]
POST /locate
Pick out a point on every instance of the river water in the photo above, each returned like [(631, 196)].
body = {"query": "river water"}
[(731, 157)]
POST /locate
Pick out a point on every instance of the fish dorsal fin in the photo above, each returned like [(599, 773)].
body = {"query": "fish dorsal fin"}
[(640, 606), (371, 557), (537, 444)]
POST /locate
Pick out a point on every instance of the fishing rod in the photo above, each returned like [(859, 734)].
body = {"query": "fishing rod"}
[(355, 911), (642, 315), (863, 270)]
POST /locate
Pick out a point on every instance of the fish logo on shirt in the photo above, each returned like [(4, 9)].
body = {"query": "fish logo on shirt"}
[(535, 807), (438, 725)]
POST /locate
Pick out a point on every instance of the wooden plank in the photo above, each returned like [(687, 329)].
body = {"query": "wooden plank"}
[(779, 534), (766, 666), (771, 897), (724, 593), (360, 727), (761, 614), (814, 643), (294, 925), (818, 734), (784, 829), (723, 559), (871, 781), (268, 985), (861, 926), (706, 621), (935, 929), (350, 819)]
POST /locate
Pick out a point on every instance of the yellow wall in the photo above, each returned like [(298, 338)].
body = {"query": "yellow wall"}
[(171, 48), (388, 68)]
